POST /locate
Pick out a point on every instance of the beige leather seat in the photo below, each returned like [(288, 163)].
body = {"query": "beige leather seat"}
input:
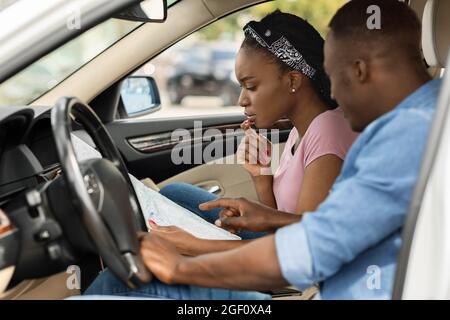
[(436, 32)]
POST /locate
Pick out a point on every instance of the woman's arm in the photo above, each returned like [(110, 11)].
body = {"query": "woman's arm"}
[(264, 190), (318, 179), (254, 153)]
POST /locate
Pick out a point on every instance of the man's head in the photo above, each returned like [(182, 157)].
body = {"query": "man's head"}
[(366, 64)]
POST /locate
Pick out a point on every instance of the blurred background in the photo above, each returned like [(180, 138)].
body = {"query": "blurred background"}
[(194, 77)]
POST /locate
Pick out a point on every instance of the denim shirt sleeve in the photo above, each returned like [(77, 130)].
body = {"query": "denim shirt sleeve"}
[(363, 208), (296, 265)]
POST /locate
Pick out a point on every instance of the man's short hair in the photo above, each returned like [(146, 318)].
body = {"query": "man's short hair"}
[(400, 27)]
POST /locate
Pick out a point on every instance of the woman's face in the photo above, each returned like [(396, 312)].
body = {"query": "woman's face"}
[(265, 93)]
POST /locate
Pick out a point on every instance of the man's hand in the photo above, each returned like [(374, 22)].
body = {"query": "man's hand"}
[(243, 214), (254, 152), (160, 256), (253, 266), (182, 240)]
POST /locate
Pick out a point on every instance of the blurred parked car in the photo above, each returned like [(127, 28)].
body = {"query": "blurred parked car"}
[(206, 70)]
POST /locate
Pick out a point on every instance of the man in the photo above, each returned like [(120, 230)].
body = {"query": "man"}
[(349, 245)]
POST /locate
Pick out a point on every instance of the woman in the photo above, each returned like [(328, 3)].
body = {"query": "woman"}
[(279, 67)]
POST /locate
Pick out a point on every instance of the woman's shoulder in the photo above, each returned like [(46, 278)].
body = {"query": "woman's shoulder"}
[(330, 122), (330, 131), (335, 116)]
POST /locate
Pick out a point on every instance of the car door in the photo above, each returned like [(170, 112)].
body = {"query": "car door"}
[(150, 151)]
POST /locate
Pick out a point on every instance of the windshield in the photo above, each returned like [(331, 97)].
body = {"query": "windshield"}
[(47, 72), (53, 68)]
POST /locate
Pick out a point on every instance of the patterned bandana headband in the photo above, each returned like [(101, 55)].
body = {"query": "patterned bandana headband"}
[(277, 44)]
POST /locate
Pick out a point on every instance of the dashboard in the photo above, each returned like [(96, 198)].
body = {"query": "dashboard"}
[(27, 150), (36, 229), (40, 141)]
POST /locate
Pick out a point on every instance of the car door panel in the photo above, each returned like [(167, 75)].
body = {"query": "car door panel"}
[(224, 180), (147, 147)]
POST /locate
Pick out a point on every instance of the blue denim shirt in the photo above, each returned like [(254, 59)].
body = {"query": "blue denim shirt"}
[(350, 244)]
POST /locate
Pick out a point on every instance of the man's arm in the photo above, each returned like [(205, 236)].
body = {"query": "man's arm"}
[(258, 271), (243, 214), (188, 244), (204, 246), (251, 267)]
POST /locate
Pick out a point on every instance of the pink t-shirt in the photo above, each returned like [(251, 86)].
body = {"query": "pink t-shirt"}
[(328, 133)]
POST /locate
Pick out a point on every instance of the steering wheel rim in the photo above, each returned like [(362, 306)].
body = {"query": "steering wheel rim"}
[(128, 266)]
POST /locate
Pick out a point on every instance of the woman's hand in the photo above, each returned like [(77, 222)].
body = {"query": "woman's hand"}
[(183, 241), (242, 214), (254, 152), (160, 257)]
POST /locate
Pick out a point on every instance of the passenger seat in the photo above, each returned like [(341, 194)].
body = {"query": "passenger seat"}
[(436, 32)]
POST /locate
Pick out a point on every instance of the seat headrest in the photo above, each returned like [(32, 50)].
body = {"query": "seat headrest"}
[(436, 32)]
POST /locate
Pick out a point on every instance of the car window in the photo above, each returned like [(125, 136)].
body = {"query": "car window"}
[(47, 72), (196, 75)]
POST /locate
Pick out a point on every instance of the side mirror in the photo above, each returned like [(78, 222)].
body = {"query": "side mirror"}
[(140, 96), (146, 11)]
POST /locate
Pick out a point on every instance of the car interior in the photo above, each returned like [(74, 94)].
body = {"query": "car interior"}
[(30, 156)]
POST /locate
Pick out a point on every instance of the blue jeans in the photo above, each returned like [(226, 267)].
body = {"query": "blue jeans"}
[(189, 197), (107, 284)]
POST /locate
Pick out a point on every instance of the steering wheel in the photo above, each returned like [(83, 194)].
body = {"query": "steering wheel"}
[(101, 192)]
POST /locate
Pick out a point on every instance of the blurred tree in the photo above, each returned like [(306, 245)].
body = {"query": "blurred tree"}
[(316, 12)]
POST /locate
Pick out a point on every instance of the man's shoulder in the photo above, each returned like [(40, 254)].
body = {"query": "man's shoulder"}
[(418, 106), (421, 103), (412, 117), (399, 135), (410, 124)]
